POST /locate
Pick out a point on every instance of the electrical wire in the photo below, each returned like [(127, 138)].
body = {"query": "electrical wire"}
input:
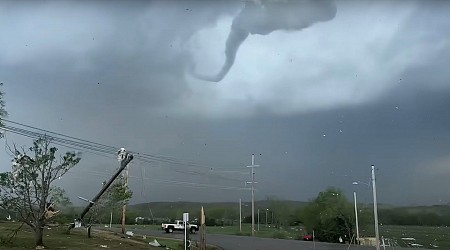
[(165, 181), (107, 151)]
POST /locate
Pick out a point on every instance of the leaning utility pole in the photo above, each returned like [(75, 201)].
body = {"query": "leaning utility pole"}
[(253, 192), (124, 159)]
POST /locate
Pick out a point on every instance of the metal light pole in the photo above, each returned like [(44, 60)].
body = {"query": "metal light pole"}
[(375, 209), (258, 219), (266, 215), (240, 215), (356, 217)]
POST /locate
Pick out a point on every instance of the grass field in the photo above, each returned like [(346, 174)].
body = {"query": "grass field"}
[(428, 237), (56, 238)]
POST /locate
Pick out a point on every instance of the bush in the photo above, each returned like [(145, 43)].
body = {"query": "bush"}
[(279, 235)]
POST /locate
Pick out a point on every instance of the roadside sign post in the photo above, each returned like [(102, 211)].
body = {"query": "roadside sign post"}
[(185, 222)]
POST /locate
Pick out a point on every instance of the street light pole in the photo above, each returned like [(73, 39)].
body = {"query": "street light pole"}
[(258, 219), (356, 217), (266, 215), (240, 215), (375, 209)]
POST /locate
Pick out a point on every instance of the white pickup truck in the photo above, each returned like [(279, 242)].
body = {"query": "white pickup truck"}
[(178, 226)]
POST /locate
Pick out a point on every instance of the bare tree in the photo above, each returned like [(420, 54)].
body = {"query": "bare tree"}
[(28, 191)]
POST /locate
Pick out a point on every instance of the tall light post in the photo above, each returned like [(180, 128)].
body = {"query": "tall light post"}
[(375, 209), (258, 219), (266, 215), (356, 215), (240, 215), (375, 206)]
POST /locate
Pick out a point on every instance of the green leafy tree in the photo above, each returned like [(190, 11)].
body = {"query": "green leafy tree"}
[(112, 201), (281, 212), (330, 215), (27, 190)]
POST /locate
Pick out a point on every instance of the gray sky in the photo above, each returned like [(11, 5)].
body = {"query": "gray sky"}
[(317, 100)]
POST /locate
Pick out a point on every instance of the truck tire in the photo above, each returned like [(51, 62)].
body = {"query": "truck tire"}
[(170, 230)]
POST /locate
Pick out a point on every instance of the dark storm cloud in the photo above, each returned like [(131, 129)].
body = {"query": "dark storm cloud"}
[(136, 50)]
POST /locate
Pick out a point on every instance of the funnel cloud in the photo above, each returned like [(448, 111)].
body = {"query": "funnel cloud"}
[(264, 17)]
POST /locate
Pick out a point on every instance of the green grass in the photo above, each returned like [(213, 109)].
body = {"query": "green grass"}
[(289, 232), (426, 236), (423, 235), (56, 238)]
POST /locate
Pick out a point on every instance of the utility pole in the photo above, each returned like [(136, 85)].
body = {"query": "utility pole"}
[(124, 158), (375, 209), (124, 208), (253, 192)]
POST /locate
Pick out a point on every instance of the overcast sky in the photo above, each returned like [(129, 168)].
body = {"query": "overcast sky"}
[(317, 91)]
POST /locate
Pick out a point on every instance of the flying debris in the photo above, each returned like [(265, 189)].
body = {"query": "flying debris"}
[(265, 16)]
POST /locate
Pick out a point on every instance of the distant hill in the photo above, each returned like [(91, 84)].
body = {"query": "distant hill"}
[(176, 209)]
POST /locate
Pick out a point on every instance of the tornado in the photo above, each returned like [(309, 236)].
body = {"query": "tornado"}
[(264, 17)]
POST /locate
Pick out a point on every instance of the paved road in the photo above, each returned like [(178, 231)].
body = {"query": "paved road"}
[(232, 242)]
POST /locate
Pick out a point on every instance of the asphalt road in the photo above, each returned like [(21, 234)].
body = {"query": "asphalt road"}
[(232, 242)]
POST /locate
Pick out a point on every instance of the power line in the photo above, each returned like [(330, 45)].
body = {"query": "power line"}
[(90, 145), (85, 144), (107, 151), (165, 181)]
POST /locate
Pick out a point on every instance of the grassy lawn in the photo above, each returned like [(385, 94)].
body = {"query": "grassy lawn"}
[(289, 232), (56, 238), (429, 237), (426, 236)]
